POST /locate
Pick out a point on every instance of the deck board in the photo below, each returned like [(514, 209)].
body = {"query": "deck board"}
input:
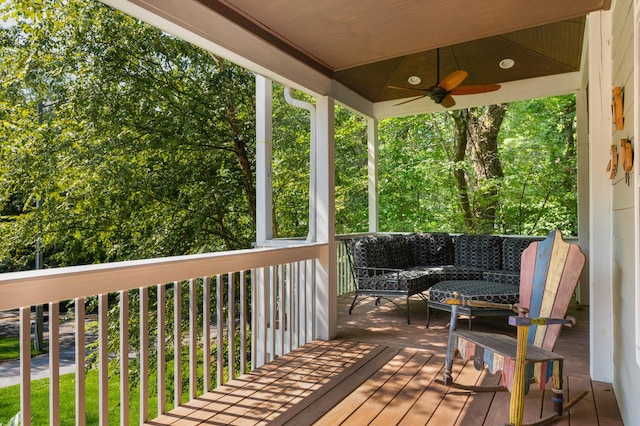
[(344, 384), (477, 406), (382, 371)]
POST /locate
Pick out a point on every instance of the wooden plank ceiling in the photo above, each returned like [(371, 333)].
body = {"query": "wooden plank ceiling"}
[(368, 45)]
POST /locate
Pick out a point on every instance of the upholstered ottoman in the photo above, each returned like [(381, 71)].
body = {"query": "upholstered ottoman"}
[(488, 291)]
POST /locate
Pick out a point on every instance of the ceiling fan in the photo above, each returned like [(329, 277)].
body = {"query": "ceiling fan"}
[(441, 93)]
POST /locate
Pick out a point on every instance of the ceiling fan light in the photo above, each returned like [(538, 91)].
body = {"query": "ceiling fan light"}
[(507, 63), (414, 80)]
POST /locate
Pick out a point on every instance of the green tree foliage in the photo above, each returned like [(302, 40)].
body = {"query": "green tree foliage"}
[(144, 146), (537, 155), (351, 172), (417, 190)]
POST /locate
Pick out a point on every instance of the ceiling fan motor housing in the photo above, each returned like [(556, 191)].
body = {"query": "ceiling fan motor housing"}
[(437, 93)]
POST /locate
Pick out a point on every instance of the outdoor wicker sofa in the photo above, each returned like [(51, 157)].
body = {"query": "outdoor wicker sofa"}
[(485, 267)]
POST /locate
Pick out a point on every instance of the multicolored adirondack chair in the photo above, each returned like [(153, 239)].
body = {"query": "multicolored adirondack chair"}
[(549, 274)]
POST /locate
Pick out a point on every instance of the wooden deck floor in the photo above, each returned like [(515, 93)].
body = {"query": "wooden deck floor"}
[(381, 371)]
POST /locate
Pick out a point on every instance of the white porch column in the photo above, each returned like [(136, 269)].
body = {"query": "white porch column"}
[(582, 119), (326, 268), (372, 172), (600, 196), (264, 214), (264, 158)]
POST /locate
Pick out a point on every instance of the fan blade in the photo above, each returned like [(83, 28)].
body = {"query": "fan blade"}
[(448, 101), (479, 88), (453, 80), (412, 89), (411, 100)]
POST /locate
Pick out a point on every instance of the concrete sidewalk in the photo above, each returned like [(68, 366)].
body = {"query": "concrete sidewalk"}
[(10, 370)]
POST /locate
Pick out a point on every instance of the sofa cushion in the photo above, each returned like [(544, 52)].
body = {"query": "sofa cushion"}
[(478, 251), (400, 281), (398, 253), (431, 248), (512, 248), (502, 276), (449, 272), (368, 252), (475, 290)]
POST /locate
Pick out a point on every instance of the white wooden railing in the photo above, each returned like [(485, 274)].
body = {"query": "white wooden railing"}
[(146, 295)]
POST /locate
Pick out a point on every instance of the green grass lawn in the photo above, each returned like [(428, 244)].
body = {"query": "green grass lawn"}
[(10, 397), (10, 348), (10, 401)]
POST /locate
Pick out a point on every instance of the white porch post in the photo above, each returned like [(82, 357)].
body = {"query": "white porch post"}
[(600, 195), (264, 157), (582, 118), (264, 211), (372, 172), (327, 264)]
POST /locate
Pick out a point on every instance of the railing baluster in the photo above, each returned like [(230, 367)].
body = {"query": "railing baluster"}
[(193, 340), (54, 363), (342, 268), (144, 354), (25, 366), (243, 323), (272, 314), (258, 318), (219, 332), (305, 301), (231, 323), (80, 356), (161, 349), (103, 359), (310, 289), (124, 358), (295, 310), (280, 303), (301, 301), (261, 319), (284, 308), (206, 333), (291, 308), (177, 344)]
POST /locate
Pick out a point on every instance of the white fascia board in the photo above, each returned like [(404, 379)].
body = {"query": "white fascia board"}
[(351, 100), (197, 24), (534, 88)]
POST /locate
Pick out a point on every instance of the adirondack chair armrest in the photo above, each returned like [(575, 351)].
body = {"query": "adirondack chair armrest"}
[(457, 300), (569, 321)]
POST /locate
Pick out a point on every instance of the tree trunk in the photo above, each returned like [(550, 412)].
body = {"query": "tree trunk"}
[(476, 137), (460, 119), (239, 146)]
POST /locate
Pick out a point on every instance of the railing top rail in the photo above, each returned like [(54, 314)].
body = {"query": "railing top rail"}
[(30, 288)]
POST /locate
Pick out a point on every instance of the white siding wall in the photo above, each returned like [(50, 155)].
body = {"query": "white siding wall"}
[(626, 379)]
